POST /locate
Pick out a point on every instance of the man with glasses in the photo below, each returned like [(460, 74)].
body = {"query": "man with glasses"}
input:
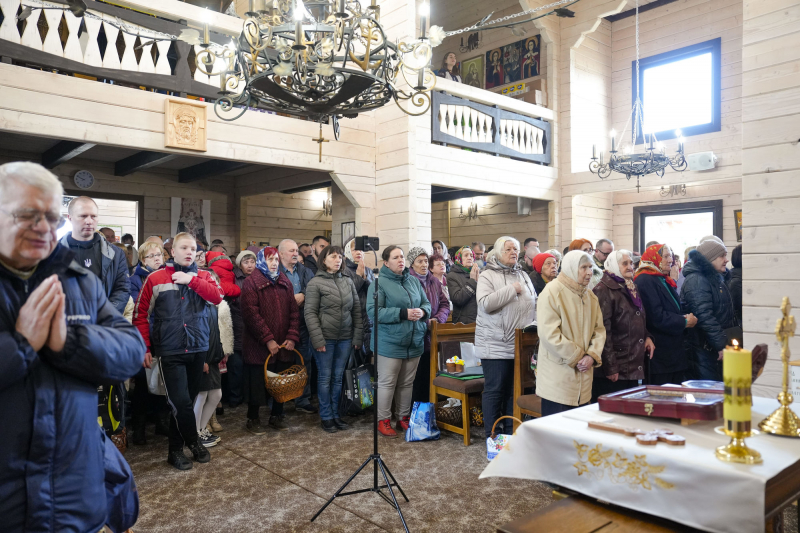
[(602, 249), (94, 253), (59, 339)]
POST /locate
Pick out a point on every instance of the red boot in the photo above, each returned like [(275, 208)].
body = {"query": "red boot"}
[(402, 424), (385, 428)]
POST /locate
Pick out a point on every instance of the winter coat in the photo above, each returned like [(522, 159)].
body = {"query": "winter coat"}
[(462, 293), (236, 311), (222, 266), (570, 325), (399, 338), (705, 294), (114, 273), (310, 263), (136, 280), (528, 269), (440, 304), (178, 313), (735, 287), (333, 310), (270, 313), (305, 276), (538, 282), (362, 287), (220, 344), (665, 322), (501, 311), (53, 452), (626, 331)]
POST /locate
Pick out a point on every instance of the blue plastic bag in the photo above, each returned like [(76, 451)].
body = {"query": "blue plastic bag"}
[(422, 423)]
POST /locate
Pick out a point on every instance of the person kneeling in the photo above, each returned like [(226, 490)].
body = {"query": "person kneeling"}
[(174, 299)]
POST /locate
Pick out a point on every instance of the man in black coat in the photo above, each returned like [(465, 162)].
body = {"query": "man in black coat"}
[(705, 295)]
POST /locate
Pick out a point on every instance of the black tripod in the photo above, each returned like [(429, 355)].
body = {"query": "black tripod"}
[(375, 457)]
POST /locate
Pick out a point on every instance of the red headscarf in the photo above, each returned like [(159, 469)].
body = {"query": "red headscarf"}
[(651, 264)]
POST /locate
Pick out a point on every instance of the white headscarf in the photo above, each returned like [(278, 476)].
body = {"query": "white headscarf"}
[(572, 262), (498, 247), (613, 259)]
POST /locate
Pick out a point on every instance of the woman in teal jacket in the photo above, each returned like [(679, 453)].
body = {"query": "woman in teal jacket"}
[(403, 312)]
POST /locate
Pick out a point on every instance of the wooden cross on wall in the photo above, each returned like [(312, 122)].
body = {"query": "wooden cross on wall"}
[(320, 141)]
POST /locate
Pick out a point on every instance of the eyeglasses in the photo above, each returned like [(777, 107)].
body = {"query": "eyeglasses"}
[(591, 250), (29, 218), (153, 256)]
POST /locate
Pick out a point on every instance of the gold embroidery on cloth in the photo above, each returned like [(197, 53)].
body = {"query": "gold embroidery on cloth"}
[(636, 473)]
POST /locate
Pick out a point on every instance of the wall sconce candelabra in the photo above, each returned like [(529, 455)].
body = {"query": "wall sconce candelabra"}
[(327, 207), (673, 190), (472, 212)]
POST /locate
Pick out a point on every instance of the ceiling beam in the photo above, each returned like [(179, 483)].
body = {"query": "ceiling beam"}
[(209, 169), (63, 152), (642, 9), (141, 161), (309, 187)]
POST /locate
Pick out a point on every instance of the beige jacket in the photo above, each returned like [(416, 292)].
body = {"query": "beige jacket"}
[(570, 326)]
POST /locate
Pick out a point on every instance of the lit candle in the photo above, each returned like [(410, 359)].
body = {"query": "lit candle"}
[(737, 374), (613, 140), (594, 151), (680, 144)]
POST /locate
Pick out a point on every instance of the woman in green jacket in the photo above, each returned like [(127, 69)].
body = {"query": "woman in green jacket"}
[(403, 312)]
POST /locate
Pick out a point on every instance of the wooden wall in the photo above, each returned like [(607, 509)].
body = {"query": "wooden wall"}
[(592, 216), (730, 192), (273, 217), (771, 182), (497, 216)]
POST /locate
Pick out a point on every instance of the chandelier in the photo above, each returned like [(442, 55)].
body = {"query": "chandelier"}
[(319, 59), (653, 160)]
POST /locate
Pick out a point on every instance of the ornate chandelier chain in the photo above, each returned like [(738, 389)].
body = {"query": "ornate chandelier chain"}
[(483, 25)]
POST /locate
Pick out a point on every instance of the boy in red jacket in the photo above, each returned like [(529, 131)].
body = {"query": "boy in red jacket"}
[(176, 298), (221, 264)]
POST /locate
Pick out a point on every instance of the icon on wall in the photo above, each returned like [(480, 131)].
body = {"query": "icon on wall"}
[(512, 56), (737, 217), (513, 62), (473, 72), (530, 59), (494, 68)]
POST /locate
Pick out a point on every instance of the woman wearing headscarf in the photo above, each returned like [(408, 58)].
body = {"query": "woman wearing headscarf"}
[(271, 327), (462, 282), (545, 270), (440, 310), (585, 245), (625, 321), (571, 336), (439, 247), (666, 322), (506, 302)]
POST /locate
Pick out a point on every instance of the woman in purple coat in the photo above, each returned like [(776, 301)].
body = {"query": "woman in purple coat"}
[(440, 309)]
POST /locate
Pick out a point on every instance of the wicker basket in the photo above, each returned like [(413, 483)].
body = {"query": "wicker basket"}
[(448, 415), (289, 384), (120, 440)]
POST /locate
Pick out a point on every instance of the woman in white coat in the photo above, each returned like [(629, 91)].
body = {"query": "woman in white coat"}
[(506, 302)]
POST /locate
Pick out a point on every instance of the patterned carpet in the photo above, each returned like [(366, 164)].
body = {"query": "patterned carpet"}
[(276, 482)]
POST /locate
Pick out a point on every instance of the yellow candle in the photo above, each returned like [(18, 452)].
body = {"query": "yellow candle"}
[(737, 373)]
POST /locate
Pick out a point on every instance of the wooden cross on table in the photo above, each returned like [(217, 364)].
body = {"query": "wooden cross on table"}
[(646, 438), (320, 141)]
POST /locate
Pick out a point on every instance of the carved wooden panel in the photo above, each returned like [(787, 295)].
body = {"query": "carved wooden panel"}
[(186, 125)]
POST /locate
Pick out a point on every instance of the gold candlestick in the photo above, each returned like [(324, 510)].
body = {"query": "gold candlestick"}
[(737, 372), (783, 421)]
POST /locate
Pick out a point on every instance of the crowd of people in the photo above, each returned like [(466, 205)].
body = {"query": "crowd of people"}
[(202, 325)]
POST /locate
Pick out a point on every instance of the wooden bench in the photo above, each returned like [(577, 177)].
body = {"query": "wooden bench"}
[(450, 387), (525, 345)]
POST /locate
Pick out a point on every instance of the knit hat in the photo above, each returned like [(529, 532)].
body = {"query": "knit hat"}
[(712, 249), (413, 253), (538, 261), (712, 238), (242, 255)]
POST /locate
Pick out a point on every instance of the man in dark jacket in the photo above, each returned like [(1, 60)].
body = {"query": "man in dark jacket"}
[(299, 275), (705, 295), (94, 253), (60, 338), (317, 245)]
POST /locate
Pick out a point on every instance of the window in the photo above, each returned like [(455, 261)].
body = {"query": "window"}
[(678, 225), (680, 90)]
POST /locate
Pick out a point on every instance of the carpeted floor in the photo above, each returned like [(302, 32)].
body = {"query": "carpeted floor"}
[(276, 482)]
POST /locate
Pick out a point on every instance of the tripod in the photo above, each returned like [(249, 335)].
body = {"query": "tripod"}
[(375, 458)]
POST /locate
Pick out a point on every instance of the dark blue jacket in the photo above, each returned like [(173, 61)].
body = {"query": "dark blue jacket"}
[(665, 322), (305, 275), (113, 273), (705, 294), (53, 451), (178, 313), (136, 280)]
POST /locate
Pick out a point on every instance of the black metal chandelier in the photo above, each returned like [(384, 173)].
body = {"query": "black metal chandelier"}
[(654, 159), (319, 59)]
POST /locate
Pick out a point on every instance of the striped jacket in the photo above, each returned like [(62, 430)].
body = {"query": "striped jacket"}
[(179, 313)]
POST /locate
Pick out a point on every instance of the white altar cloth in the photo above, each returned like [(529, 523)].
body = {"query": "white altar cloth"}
[(687, 484)]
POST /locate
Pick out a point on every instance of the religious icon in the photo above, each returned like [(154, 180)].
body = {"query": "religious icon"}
[(530, 61), (473, 72), (512, 54), (191, 218), (494, 68), (185, 125)]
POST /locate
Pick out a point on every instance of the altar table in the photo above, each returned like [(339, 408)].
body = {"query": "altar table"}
[(686, 484)]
